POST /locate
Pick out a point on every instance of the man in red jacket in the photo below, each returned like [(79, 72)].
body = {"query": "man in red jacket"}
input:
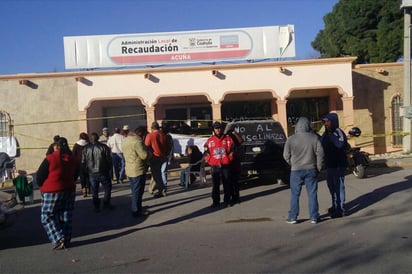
[(219, 155), (159, 145)]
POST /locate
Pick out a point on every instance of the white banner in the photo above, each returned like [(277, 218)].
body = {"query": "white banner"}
[(8, 145), (82, 52)]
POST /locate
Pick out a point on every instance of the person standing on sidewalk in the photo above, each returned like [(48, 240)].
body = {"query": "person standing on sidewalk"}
[(304, 153), (169, 144), (235, 166), (105, 136), (159, 146), (56, 179), (97, 162), (135, 154), (77, 152), (115, 143), (219, 154), (334, 143)]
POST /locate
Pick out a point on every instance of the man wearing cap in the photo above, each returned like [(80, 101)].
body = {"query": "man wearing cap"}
[(105, 136), (125, 131), (334, 142), (135, 154), (160, 147), (218, 154)]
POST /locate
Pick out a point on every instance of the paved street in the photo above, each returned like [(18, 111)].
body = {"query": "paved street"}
[(184, 235)]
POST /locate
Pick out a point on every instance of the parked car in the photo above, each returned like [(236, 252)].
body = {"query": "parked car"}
[(262, 149)]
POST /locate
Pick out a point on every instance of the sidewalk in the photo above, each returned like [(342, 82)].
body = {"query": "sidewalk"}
[(384, 160), (391, 160)]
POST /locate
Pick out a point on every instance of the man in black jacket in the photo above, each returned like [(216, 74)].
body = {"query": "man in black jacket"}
[(97, 162)]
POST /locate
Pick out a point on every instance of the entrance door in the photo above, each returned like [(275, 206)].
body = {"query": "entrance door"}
[(312, 108)]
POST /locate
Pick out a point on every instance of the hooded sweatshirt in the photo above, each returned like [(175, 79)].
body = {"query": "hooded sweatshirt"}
[(334, 143), (303, 150)]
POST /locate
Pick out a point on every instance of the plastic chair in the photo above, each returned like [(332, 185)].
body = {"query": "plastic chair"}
[(201, 173)]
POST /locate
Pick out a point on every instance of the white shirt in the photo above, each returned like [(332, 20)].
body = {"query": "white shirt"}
[(115, 143)]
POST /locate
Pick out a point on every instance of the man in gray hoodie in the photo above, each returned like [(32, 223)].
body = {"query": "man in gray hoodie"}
[(304, 153)]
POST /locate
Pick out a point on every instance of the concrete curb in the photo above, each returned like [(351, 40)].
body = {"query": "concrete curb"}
[(6, 184), (393, 162)]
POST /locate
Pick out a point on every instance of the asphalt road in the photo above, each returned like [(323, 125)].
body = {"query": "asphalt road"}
[(183, 235)]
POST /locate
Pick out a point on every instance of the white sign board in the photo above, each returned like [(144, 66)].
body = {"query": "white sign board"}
[(82, 52), (406, 4)]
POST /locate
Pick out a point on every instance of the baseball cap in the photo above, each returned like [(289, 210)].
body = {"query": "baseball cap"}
[(105, 129), (217, 125)]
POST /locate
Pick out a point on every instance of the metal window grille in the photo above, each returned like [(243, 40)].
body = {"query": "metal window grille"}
[(397, 121), (4, 124)]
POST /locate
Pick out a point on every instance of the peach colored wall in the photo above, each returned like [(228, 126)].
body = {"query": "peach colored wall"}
[(194, 80), (59, 97)]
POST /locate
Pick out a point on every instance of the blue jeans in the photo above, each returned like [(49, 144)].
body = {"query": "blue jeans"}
[(156, 164), (309, 177), (163, 169), (336, 183), (119, 166), (95, 180), (137, 187)]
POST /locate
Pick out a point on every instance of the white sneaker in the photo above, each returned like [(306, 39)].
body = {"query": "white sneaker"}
[(291, 221)]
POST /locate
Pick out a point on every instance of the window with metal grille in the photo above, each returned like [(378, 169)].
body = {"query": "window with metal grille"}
[(4, 124), (397, 121)]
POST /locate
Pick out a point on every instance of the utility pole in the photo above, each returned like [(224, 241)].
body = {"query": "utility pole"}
[(406, 141)]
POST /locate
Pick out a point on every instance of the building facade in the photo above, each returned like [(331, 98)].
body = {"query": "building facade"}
[(46, 104)]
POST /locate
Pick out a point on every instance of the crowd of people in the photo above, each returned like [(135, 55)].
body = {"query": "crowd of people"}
[(99, 160), (96, 161)]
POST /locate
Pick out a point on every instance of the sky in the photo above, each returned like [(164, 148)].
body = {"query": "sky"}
[(32, 31)]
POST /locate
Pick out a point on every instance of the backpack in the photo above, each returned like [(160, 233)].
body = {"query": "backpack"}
[(23, 188)]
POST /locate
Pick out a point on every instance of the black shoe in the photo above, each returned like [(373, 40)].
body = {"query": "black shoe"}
[(228, 204), (160, 194), (143, 213), (336, 215), (214, 205), (59, 244)]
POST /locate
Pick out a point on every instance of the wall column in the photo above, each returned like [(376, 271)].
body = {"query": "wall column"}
[(333, 97), (348, 120), (216, 112), (282, 115), (83, 121), (150, 116)]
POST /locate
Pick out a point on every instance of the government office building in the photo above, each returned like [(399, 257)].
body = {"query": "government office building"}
[(36, 106)]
